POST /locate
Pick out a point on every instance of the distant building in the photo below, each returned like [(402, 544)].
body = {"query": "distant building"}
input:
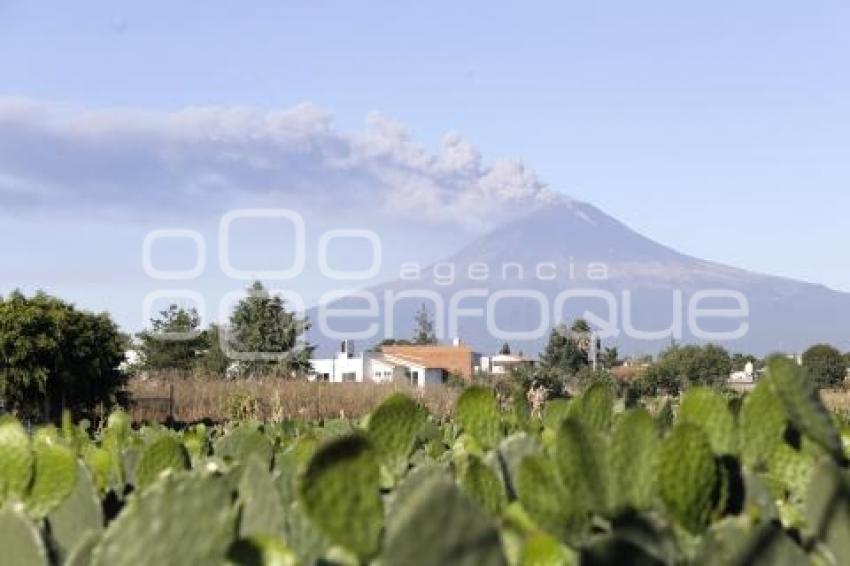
[(743, 380), (376, 367), (502, 364), (456, 359)]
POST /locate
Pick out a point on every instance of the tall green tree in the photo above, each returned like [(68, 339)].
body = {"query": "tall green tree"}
[(53, 356), (174, 341), (825, 365), (505, 350), (423, 328), (568, 350), (679, 367), (213, 360), (266, 336)]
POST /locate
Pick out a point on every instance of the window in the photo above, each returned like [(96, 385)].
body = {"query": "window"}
[(349, 376)]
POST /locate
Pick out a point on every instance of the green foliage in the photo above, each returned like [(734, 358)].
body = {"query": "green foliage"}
[(580, 456), (54, 478), (182, 519), (547, 501), (165, 454), (393, 429), (825, 365), (709, 410), (596, 485), (174, 340), (79, 515), (440, 525), (52, 354), (483, 486), (688, 477), (680, 367), (762, 424), (633, 461), (341, 482), (16, 460), (804, 406), (478, 414), (423, 328), (20, 540), (567, 349), (260, 324)]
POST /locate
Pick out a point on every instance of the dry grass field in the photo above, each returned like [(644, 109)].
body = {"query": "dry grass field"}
[(195, 399)]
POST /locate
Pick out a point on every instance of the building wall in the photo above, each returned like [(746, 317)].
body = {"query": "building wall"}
[(339, 369), (453, 359)]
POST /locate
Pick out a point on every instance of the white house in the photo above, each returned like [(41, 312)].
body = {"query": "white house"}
[(501, 364), (376, 367), (743, 380)]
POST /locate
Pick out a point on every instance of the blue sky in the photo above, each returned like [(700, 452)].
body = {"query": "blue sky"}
[(719, 128)]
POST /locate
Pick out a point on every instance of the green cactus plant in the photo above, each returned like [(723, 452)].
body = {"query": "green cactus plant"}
[(804, 407), (761, 424), (478, 415), (262, 514), (341, 482), (555, 411), (633, 461), (440, 525), (393, 429), (547, 502), (580, 454), (688, 477), (595, 408), (181, 519), (239, 444), (261, 551), (78, 515), (16, 460), (828, 510), (165, 454), (20, 540), (706, 408), (54, 478), (483, 486)]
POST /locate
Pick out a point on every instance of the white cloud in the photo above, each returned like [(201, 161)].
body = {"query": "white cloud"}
[(53, 156)]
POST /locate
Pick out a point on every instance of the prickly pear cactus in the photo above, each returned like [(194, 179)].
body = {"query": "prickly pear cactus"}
[(393, 428), (241, 443), (478, 414), (483, 486), (54, 479), (595, 408), (440, 525), (16, 460), (580, 455), (264, 550), (547, 501), (262, 513), (20, 540), (828, 510), (688, 477), (633, 460), (163, 455), (543, 550), (761, 424), (555, 411), (804, 406), (99, 463), (77, 516), (708, 409), (181, 519), (342, 481)]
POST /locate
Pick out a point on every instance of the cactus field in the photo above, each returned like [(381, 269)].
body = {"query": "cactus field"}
[(759, 480)]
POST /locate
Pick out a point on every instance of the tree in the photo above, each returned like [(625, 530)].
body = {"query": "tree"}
[(568, 350), (825, 365), (174, 340), (679, 367), (53, 356), (740, 361), (423, 329), (213, 360), (505, 350), (611, 357), (268, 335)]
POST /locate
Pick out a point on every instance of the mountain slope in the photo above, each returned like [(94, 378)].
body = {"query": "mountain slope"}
[(603, 268)]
